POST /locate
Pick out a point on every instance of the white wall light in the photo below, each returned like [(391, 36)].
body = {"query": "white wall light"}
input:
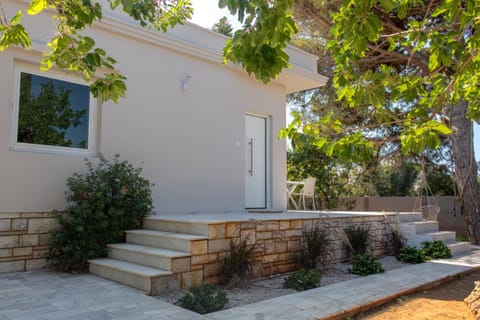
[(184, 83)]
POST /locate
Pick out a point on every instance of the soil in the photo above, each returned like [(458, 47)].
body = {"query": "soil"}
[(441, 303)]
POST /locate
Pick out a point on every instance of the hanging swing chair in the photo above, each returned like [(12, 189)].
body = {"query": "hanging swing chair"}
[(425, 201)]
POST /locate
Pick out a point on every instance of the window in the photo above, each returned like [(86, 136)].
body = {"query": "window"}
[(53, 115)]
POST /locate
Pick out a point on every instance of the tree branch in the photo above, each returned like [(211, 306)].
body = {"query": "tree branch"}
[(3, 15), (308, 9), (397, 58)]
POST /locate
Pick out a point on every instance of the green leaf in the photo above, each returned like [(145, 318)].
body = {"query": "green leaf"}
[(17, 18), (402, 11), (86, 44), (37, 6), (14, 35), (388, 5)]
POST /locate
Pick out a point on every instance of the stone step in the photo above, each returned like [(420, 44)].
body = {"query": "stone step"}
[(405, 217), (458, 248), (168, 240), (144, 278), (438, 236), (409, 230), (442, 236), (188, 227), (148, 256), (417, 239), (421, 226)]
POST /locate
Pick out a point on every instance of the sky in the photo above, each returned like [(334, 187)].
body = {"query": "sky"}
[(207, 13), (476, 137)]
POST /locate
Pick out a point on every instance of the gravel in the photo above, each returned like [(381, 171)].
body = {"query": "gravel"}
[(271, 287)]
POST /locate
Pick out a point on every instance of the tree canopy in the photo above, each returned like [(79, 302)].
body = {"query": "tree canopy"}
[(259, 46), (422, 55), (408, 70), (223, 26)]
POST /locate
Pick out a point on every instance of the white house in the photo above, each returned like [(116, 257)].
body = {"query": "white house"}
[(205, 132)]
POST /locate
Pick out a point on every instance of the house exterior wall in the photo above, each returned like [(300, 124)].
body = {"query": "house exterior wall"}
[(190, 142)]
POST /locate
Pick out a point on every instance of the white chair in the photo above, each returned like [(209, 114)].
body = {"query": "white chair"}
[(308, 191)]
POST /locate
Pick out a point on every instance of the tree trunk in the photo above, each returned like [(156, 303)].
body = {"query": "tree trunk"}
[(466, 169)]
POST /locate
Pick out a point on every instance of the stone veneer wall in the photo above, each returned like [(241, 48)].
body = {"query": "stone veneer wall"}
[(277, 245), (24, 240), (24, 244)]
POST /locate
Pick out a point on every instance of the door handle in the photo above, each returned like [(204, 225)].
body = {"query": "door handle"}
[(251, 157)]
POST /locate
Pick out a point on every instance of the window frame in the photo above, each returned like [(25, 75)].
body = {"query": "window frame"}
[(92, 149)]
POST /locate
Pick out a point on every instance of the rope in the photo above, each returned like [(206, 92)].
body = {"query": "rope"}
[(429, 211)]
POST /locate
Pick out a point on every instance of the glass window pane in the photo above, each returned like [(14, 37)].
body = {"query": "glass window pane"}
[(53, 112)]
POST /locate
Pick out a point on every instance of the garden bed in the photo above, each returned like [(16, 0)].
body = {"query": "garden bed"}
[(271, 287)]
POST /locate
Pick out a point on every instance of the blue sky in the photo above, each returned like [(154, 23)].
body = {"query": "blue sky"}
[(476, 137), (207, 13)]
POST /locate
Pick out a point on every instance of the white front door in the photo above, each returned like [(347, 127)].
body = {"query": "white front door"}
[(255, 162)]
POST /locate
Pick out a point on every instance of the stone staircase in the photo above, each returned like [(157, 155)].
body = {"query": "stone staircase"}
[(173, 252), (417, 230), (153, 258)]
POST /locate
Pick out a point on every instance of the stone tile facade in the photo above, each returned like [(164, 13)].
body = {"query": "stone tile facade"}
[(24, 240), (277, 244), (24, 244)]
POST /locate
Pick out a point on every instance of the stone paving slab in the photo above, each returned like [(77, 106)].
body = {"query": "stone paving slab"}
[(213, 218), (44, 295), (48, 295)]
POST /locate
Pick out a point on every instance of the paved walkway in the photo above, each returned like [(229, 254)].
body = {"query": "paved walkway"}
[(47, 295)]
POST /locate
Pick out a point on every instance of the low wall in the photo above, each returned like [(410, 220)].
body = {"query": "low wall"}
[(24, 243), (450, 217), (277, 244), (24, 240)]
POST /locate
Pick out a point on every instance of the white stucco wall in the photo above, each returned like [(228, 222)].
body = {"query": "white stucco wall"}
[(191, 143)]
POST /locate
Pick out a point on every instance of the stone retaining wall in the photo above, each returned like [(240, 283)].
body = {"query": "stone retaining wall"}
[(24, 240), (277, 244), (24, 244)]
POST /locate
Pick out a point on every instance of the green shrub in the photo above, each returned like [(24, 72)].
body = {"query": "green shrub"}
[(204, 299), (365, 264), (239, 262), (436, 250), (103, 202), (357, 239), (303, 279), (315, 247), (462, 239), (411, 255)]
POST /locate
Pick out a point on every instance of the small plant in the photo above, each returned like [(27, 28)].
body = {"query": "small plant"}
[(238, 263), (204, 299), (436, 250), (316, 247), (411, 255), (462, 239), (395, 241), (103, 202), (365, 264), (357, 239), (303, 279)]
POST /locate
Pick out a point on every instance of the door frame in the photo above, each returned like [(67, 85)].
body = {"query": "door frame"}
[(268, 163)]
